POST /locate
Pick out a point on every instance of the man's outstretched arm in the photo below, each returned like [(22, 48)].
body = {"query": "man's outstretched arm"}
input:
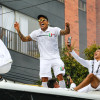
[(66, 31), (22, 37), (82, 61)]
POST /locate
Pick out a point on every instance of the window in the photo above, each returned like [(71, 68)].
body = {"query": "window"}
[(61, 1), (82, 5)]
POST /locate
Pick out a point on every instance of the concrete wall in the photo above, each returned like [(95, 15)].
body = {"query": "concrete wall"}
[(24, 69)]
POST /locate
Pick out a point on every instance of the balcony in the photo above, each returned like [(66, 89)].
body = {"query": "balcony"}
[(13, 42), (25, 67)]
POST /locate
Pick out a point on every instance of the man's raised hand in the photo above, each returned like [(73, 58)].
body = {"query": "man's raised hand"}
[(16, 26)]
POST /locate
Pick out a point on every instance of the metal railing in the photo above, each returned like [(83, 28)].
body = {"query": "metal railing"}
[(13, 42)]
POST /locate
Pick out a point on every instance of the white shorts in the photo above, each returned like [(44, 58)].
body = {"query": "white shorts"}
[(89, 88), (56, 64)]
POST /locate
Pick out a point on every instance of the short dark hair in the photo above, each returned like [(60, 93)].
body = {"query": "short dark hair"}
[(42, 16), (51, 83)]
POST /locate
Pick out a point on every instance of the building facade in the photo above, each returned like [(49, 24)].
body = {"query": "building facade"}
[(25, 55), (84, 19)]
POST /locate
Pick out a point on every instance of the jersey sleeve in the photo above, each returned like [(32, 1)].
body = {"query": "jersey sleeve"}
[(82, 61), (33, 35), (57, 31)]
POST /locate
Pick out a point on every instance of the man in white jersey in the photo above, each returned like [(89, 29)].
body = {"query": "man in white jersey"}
[(92, 81), (47, 38), (5, 59)]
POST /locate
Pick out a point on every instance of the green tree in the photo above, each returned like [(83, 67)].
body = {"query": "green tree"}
[(75, 69), (72, 67)]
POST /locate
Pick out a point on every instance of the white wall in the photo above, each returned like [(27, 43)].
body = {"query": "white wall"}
[(33, 24), (8, 18), (27, 23), (23, 23)]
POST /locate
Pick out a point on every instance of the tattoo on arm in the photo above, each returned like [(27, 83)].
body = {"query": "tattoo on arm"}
[(21, 35), (23, 38), (64, 32), (67, 29)]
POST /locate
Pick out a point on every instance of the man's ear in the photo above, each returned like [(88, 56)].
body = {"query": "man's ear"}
[(48, 23)]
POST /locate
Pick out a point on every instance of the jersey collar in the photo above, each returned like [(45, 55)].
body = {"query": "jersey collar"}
[(96, 60), (48, 29)]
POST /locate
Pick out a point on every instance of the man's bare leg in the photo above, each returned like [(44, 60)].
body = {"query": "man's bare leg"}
[(61, 81), (90, 79), (44, 81), (72, 84)]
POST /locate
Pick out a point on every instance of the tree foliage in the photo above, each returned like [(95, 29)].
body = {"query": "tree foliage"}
[(75, 69), (72, 67)]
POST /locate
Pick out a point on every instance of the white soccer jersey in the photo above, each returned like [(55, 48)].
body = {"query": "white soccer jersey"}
[(88, 64), (47, 42)]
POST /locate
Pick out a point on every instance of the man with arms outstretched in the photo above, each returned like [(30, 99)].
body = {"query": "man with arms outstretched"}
[(47, 38), (92, 81)]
